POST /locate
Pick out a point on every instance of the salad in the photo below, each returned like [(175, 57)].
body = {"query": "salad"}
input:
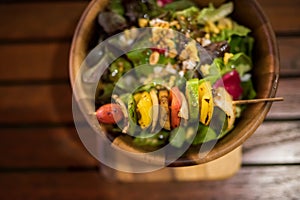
[(187, 81)]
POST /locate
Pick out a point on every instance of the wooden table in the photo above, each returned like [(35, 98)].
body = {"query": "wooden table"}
[(41, 156)]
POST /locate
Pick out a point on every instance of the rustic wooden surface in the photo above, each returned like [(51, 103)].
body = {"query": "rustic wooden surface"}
[(41, 156)]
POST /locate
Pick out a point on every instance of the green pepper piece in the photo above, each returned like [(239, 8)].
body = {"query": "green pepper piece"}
[(192, 99), (204, 134), (139, 57), (118, 68), (177, 137), (132, 115)]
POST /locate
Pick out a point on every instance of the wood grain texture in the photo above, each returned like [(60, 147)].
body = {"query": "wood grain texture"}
[(274, 143), (289, 108), (52, 147), (39, 20), (289, 55), (34, 61), (41, 156), (36, 104), (51, 60), (283, 15), (250, 183), (53, 103)]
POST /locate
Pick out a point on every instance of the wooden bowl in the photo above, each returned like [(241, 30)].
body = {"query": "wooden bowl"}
[(265, 72)]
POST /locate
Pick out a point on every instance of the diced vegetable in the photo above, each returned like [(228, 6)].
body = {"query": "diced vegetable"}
[(144, 109), (175, 107), (109, 114), (206, 104), (183, 92), (164, 120), (232, 83), (192, 96), (155, 108), (223, 100), (132, 115)]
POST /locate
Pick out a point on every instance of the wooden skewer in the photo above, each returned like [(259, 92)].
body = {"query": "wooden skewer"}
[(256, 100)]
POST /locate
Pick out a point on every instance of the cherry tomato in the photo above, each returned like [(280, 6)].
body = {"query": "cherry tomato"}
[(109, 114)]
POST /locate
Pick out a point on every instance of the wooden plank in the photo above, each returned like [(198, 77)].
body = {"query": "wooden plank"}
[(289, 108), (25, 104), (53, 103), (289, 55), (50, 147), (273, 143), (58, 19), (283, 15), (249, 183), (34, 61), (39, 20), (40, 1), (49, 60)]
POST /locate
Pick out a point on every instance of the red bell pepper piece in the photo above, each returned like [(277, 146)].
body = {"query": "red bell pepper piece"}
[(232, 83)]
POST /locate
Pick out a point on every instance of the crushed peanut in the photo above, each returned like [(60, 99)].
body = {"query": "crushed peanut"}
[(154, 58), (143, 22)]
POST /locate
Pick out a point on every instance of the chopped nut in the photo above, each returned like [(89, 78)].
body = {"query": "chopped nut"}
[(211, 27), (154, 58), (159, 23), (190, 52), (227, 56), (172, 53), (224, 23), (143, 22), (205, 69)]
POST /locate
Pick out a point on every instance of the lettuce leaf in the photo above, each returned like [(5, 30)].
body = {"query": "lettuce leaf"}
[(177, 137), (241, 44), (178, 5), (204, 134), (238, 39), (190, 12), (154, 140), (213, 14), (241, 62), (248, 90)]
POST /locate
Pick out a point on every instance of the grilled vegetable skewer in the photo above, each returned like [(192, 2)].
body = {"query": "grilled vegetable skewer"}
[(167, 108), (161, 107)]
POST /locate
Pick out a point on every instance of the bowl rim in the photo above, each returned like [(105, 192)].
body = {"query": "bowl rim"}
[(215, 152)]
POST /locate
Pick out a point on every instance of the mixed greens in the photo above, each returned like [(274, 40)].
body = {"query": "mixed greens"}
[(154, 94)]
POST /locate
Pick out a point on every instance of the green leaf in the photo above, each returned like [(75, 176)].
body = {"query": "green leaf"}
[(118, 68), (241, 62), (177, 137), (190, 12), (214, 14), (178, 5), (111, 21), (116, 7), (204, 134), (241, 44), (248, 90), (139, 57), (154, 140)]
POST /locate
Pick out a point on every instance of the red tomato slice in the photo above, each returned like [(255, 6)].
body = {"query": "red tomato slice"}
[(176, 100)]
